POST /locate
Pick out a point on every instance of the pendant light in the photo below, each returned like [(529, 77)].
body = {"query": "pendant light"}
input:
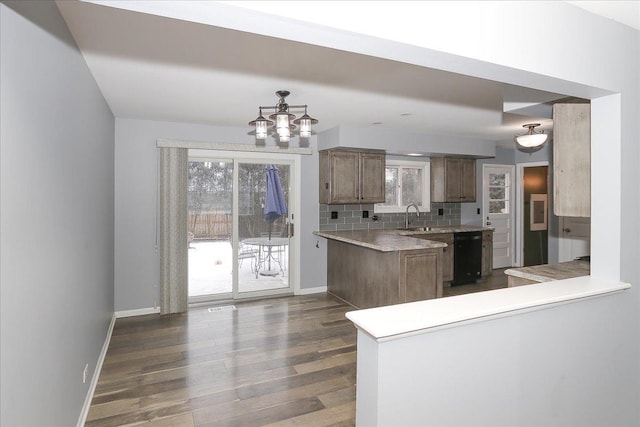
[(283, 121), (532, 139)]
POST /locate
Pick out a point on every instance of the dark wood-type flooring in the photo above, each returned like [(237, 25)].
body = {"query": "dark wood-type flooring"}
[(283, 361), (277, 362)]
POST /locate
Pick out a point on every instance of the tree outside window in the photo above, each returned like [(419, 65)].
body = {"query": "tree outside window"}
[(406, 182)]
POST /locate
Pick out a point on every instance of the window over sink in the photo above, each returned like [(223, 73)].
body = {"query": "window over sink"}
[(406, 182)]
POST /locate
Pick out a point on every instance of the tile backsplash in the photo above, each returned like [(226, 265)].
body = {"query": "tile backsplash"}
[(350, 217)]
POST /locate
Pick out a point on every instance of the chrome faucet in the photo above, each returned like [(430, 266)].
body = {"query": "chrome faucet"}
[(406, 214)]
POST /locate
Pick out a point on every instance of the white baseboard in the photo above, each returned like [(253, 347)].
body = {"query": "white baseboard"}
[(308, 291), (137, 312), (96, 375)]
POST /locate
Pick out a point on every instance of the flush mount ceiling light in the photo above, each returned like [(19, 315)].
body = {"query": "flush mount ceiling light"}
[(532, 140), (283, 121)]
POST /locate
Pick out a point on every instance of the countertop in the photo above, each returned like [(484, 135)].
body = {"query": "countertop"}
[(549, 272), (403, 320), (394, 240)]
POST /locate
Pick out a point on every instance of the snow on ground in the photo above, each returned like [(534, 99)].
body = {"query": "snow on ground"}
[(210, 271)]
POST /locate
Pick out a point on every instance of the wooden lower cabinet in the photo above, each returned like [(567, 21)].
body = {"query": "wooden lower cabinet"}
[(420, 275), (367, 278), (487, 253), (447, 253)]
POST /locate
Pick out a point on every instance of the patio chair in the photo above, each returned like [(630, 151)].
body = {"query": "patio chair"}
[(247, 252)]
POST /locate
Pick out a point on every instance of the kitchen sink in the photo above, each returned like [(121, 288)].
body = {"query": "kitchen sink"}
[(414, 230)]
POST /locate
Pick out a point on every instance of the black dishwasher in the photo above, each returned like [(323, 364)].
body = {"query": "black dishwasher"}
[(467, 257)]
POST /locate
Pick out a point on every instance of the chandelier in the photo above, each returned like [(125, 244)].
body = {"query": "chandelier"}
[(532, 140), (283, 121)]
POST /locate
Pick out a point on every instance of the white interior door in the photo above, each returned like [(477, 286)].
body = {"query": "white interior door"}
[(497, 207), (575, 238)]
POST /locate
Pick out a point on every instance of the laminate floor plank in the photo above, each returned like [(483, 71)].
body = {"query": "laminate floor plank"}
[(266, 362), (259, 402), (343, 415)]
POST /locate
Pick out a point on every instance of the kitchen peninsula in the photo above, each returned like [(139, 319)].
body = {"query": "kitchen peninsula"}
[(546, 273), (373, 268)]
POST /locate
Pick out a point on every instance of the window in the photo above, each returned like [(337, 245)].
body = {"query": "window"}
[(499, 193), (406, 182)]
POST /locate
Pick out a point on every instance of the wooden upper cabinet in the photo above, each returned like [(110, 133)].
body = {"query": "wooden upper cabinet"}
[(351, 176), (372, 177), (572, 160), (453, 179)]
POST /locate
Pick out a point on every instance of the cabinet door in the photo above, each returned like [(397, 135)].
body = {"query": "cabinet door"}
[(345, 172), (452, 179), (487, 253), (572, 160), (467, 180), (372, 179), (447, 253), (421, 275)]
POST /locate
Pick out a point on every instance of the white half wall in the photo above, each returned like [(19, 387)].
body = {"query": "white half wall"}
[(534, 369)]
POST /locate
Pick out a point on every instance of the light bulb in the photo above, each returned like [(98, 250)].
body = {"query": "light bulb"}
[(261, 129)]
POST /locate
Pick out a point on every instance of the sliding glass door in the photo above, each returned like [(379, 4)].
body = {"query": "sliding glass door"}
[(239, 215), (263, 225)]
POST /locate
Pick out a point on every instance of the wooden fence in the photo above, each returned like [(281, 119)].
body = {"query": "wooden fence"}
[(210, 225), (217, 225)]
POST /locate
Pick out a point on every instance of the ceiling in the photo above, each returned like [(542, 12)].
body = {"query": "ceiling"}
[(157, 68)]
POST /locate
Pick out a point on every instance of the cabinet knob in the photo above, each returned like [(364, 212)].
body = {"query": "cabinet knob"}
[(566, 230)]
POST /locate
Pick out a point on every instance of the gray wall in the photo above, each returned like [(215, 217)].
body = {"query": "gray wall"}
[(508, 156), (469, 211), (56, 218), (136, 258)]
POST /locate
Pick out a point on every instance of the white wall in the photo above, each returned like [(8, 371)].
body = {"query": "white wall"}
[(403, 142), (137, 268), (56, 204), (579, 365), (534, 369)]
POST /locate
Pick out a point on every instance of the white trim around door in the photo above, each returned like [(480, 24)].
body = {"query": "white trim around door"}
[(296, 170), (503, 238), (520, 203)]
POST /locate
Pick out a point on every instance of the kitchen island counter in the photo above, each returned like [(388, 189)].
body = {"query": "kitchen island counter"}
[(397, 239), (380, 240), (381, 267)]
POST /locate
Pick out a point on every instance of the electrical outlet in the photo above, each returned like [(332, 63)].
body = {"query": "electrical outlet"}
[(365, 214), (440, 211), (334, 214), (84, 373)]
